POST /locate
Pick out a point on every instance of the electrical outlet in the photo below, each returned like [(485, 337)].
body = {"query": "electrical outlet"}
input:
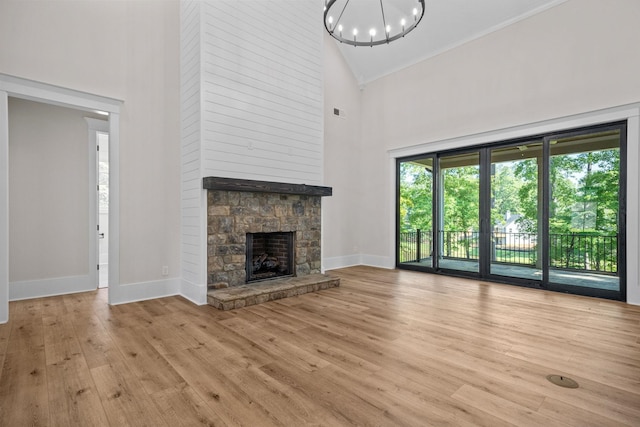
[(165, 270)]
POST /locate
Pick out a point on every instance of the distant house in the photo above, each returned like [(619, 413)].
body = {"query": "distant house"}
[(511, 236)]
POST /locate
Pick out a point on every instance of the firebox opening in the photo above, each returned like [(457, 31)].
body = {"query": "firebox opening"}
[(269, 255)]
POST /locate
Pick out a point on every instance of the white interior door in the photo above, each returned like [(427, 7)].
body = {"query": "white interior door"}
[(103, 208)]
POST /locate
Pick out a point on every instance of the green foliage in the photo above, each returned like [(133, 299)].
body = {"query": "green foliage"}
[(416, 196), (461, 198), (526, 174), (584, 198)]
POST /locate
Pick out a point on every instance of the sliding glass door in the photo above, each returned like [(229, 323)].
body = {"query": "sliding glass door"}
[(545, 212), (516, 211), (415, 220), (586, 211), (458, 212)]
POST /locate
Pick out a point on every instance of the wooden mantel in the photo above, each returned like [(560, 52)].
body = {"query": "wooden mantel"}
[(249, 185)]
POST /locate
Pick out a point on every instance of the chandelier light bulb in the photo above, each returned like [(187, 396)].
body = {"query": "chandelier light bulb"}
[(388, 29), (355, 32), (372, 32)]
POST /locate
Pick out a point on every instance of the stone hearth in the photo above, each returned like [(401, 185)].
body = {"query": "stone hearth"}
[(246, 295), (237, 207)]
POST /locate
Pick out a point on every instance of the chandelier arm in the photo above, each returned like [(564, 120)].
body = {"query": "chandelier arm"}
[(340, 17), (384, 23)]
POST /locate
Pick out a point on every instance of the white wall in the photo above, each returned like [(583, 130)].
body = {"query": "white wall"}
[(340, 212), (128, 51), (577, 57)]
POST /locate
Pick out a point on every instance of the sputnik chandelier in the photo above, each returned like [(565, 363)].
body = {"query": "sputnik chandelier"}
[(371, 22)]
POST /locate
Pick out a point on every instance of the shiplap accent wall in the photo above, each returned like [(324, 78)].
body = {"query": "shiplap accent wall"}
[(192, 251), (262, 90), (252, 105)]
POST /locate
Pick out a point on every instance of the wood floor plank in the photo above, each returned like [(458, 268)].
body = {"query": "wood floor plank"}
[(165, 336), (443, 409), (278, 398), (144, 361), (73, 397), (202, 370), (27, 335), (503, 408), (341, 406), (60, 339), (24, 398), (5, 332), (390, 348), (182, 406), (275, 347), (577, 417), (96, 343), (123, 397)]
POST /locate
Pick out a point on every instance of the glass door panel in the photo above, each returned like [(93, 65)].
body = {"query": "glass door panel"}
[(459, 209), (415, 239), (516, 209), (584, 186)]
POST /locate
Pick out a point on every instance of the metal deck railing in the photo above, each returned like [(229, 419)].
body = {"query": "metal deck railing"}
[(571, 251)]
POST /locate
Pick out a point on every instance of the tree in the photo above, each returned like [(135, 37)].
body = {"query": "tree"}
[(461, 198), (416, 196)]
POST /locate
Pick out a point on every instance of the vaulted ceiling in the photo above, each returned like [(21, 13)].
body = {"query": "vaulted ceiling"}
[(446, 24)]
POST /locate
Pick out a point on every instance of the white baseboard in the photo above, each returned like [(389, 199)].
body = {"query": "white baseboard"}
[(194, 292), (333, 263), (132, 292), (27, 289), (378, 261), (341, 261)]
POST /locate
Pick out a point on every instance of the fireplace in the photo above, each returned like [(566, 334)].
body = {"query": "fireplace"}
[(247, 220), (269, 255)]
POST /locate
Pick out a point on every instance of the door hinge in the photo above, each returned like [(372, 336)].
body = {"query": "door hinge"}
[(98, 267)]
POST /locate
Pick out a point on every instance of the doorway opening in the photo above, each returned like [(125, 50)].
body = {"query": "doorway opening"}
[(102, 179)]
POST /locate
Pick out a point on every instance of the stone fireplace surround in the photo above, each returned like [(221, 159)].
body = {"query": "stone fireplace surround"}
[(236, 207)]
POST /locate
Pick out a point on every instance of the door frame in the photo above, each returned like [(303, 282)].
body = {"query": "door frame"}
[(629, 113), (11, 86)]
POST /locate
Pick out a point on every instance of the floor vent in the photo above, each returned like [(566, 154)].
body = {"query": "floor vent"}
[(562, 381)]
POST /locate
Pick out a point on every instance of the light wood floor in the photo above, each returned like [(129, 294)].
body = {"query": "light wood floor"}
[(389, 348)]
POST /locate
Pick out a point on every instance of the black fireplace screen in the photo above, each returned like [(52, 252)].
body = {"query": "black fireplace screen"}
[(269, 255)]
